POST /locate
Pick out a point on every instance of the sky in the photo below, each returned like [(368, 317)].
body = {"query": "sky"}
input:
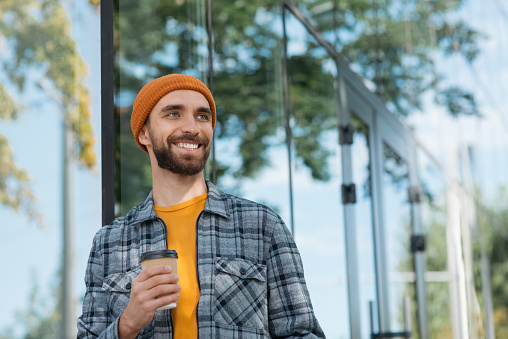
[(36, 138)]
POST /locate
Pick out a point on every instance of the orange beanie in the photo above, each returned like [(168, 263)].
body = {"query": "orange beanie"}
[(152, 92)]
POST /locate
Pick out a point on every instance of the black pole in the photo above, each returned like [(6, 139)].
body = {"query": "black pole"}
[(288, 116), (107, 114), (210, 80)]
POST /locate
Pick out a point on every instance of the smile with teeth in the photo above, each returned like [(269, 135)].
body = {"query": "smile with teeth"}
[(187, 145)]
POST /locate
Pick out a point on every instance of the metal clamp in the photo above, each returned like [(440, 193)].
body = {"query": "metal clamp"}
[(346, 134), (417, 243), (348, 194), (414, 194)]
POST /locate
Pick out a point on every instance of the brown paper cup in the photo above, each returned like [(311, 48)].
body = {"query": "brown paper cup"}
[(162, 257)]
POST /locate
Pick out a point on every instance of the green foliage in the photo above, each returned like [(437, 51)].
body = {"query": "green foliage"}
[(15, 189), (9, 110), (459, 102), (312, 92)]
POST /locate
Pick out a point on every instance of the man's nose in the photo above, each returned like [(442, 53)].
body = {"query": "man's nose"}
[(189, 124)]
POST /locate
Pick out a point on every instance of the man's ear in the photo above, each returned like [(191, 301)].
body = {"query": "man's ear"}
[(144, 137)]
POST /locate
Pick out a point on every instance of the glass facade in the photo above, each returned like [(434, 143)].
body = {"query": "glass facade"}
[(365, 223), (315, 155), (151, 38), (434, 225), (397, 228), (365, 125)]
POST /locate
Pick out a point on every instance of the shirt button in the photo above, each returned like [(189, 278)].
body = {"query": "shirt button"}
[(128, 286), (243, 271)]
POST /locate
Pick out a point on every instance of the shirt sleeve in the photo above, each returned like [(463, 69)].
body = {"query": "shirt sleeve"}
[(289, 306), (94, 321)]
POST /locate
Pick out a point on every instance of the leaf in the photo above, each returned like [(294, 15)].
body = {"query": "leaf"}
[(15, 188), (8, 108), (460, 102)]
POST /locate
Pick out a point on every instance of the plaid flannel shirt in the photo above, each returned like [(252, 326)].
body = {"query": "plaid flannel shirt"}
[(249, 271)]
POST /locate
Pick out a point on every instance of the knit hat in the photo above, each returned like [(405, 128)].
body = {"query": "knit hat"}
[(152, 92)]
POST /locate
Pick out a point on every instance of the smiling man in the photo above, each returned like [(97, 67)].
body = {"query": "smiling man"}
[(239, 272)]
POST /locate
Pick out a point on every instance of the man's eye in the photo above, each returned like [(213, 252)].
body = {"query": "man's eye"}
[(203, 117), (172, 114)]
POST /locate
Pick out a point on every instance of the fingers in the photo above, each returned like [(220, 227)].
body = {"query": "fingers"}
[(154, 282), (160, 290), (151, 271), (165, 300)]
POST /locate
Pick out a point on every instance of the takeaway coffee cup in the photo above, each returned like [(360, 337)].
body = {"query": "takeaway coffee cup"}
[(161, 257)]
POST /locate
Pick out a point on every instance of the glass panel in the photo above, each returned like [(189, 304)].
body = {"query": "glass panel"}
[(252, 158), (397, 230), (49, 73), (364, 223), (434, 227), (152, 38), (318, 211)]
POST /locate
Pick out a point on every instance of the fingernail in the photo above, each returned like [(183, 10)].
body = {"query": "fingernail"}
[(167, 268)]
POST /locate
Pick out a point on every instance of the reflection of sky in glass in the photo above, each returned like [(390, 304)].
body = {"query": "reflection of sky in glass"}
[(319, 234)]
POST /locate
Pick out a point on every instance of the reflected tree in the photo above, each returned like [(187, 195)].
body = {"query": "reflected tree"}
[(392, 43), (389, 44), (314, 110)]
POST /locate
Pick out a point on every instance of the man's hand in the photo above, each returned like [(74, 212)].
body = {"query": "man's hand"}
[(150, 284)]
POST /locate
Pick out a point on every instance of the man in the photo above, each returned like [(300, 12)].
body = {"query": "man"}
[(239, 272)]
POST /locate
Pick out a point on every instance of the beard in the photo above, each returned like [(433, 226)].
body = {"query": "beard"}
[(185, 164)]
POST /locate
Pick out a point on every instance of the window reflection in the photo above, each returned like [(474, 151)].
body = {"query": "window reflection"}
[(251, 156), (364, 222), (434, 228), (152, 39), (318, 211), (397, 224)]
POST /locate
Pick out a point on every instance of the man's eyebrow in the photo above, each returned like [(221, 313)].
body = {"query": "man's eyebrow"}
[(178, 107), (171, 108), (204, 110)]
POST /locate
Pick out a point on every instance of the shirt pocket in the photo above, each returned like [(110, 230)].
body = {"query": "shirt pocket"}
[(240, 291), (117, 287)]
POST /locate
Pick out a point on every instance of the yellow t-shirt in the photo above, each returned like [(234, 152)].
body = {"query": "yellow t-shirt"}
[(181, 225)]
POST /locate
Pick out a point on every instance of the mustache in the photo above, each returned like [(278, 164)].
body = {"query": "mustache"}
[(188, 137)]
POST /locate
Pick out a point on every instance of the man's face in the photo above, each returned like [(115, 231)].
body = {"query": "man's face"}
[(180, 132)]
